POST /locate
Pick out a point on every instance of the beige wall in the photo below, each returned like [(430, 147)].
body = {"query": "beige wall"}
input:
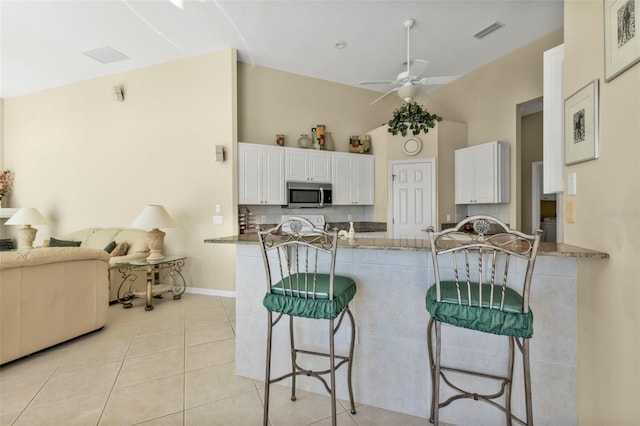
[(439, 143), (85, 160), (607, 218), (531, 142), (272, 102), (487, 100)]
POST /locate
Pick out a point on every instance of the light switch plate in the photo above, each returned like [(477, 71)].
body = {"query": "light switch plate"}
[(218, 220), (571, 184)]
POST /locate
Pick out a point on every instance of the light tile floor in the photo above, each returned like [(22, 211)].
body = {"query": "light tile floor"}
[(174, 365)]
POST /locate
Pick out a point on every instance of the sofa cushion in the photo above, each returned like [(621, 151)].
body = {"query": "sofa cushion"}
[(109, 247), (101, 237), (54, 242), (137, 239), (121, 249)]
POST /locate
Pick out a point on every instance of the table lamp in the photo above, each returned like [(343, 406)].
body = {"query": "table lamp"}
[(154, 217), (26, 216)]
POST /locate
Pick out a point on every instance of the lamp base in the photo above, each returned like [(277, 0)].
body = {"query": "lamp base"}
[(26, 237), (155, 237)]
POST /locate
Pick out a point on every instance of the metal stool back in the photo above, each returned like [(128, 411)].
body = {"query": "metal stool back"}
[(483, 274), (301, 282)]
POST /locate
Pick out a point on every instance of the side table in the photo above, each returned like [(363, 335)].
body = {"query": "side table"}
[(172, 265)]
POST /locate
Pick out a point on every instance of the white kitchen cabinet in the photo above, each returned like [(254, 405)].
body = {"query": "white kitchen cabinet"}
[(482, 174), (307, 165), (260, 174), (353, 179)]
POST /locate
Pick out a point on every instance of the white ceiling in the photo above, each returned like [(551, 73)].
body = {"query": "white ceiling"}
[(42, 42)]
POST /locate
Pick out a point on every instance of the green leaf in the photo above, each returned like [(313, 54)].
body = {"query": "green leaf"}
[(414, 117)]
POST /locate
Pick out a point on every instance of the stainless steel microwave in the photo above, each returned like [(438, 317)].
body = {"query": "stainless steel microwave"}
[(308, 194)]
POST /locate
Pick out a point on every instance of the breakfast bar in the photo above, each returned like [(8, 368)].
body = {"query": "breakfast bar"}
[(391, 366)]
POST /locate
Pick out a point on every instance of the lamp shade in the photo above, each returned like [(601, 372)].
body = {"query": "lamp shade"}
[(27, 216), (153, 217)]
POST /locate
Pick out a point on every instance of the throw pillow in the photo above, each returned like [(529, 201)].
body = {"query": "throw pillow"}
[(53, 242), (121, 249), (109, 247)]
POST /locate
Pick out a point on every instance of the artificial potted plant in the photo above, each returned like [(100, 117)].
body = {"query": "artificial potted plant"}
[(414, 117)]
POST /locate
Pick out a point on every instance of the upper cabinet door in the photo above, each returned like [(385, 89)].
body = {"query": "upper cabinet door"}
[(353, 179), (260, 175), (320, 166), (482, 174), (364, 179), (296, 165), (553, 120), (249, 174), (307, 165), (273, 187)]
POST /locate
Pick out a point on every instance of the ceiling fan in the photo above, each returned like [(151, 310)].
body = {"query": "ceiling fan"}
[(410, 80)]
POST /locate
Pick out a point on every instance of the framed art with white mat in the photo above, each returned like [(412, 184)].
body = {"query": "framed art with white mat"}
[(581, 125), (621, 38)]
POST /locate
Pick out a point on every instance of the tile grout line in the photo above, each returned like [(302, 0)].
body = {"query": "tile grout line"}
[(124, 358)]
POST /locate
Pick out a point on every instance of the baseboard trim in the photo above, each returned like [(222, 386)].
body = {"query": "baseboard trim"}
[(210, 292)]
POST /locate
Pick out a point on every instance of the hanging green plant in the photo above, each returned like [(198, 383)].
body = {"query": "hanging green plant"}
[(414, 117)]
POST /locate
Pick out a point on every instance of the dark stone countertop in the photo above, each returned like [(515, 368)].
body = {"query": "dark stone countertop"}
[(545, 249)]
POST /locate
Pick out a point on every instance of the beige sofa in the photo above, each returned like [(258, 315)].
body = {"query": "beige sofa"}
[(50, 295), (99, 238)]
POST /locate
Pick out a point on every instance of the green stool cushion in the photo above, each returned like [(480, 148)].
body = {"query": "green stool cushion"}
[(295, 304), (508, 322)]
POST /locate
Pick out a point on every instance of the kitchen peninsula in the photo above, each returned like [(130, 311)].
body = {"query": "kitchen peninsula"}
[(391, 367)]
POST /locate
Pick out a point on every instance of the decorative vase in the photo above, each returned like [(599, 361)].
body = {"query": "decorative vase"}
[(328, 142), (304, 141), (352, 232)]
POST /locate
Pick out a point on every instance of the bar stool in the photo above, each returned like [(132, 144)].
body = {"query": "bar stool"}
[(301, 282), (486, 289)]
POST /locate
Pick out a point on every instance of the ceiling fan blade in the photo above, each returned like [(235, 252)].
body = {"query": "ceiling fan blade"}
[(427, 81), (395, 89), (418, 66), (378, 82)]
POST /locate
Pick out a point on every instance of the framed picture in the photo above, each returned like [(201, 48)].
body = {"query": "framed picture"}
[(621, 38), (581, 125)]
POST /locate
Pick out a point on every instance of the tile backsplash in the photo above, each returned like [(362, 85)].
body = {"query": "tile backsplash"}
[(500, 211), (272, 214)]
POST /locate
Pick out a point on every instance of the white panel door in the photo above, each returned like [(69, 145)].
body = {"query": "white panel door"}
[(413, 201)]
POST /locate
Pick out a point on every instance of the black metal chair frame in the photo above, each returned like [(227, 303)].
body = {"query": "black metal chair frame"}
[(471, 237), (294, 249)]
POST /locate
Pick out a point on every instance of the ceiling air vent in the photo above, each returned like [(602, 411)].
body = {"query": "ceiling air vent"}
[(106, 55), (488, 30)]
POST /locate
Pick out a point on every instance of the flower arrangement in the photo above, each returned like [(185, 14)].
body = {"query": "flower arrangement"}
[(6, 180), (414, 117)]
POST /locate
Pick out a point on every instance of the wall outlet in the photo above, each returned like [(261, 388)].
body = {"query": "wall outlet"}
[(218, 220), (349, 218), (263, 219), (217, 208)]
